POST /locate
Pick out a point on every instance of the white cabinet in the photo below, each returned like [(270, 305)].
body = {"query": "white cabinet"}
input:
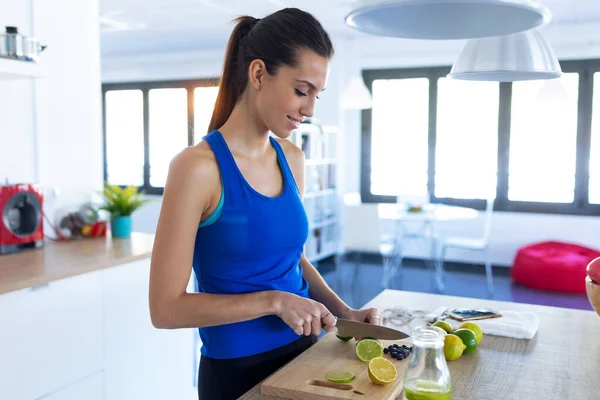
[(90, 337), (50, 336), (142, 362), (89, 388)]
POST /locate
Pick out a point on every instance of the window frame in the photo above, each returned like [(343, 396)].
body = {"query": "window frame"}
[(145, 87), (580, 205)]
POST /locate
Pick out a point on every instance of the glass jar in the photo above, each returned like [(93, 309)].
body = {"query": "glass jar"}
[(427, 376)]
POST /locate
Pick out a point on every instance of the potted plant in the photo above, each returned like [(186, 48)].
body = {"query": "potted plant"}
[(121, 203)]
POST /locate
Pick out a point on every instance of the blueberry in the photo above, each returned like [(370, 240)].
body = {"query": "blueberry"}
[(400, 357), (385, 351), (404, 346), (394, 354)]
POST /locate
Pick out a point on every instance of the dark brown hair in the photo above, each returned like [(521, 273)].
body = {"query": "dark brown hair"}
[(276, 40)]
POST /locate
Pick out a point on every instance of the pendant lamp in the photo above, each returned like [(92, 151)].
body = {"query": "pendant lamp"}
[(517, 57), (447, 19), (356, 96)]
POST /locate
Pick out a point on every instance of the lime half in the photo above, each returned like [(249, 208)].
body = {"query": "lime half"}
[(368, 349), (340, 377)]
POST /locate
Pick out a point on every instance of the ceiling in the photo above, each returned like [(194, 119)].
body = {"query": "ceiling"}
[(142, 26)]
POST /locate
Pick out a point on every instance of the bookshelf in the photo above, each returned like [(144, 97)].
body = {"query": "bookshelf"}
[(322, 199)]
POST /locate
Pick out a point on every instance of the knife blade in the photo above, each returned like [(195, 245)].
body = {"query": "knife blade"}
[(361, 329)]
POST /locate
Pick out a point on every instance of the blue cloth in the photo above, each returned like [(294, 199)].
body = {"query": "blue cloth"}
[(254, 245)]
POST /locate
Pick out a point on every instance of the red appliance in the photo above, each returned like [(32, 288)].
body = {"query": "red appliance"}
[(21, 224)]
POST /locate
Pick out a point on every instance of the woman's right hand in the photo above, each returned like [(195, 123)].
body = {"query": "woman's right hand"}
[(305, 316)]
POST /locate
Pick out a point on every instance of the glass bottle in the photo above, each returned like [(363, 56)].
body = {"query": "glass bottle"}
[(427, 376)]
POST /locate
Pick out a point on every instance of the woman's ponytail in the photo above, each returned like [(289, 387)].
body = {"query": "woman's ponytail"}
[(233, 78)]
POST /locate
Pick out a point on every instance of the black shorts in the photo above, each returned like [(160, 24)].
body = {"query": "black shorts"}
[(228, 379)]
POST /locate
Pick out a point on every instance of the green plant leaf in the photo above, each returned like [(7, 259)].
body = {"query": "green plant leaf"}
[(122, 201)]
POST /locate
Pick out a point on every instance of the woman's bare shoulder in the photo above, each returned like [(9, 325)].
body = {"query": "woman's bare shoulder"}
[(292, 152), (196, 162)]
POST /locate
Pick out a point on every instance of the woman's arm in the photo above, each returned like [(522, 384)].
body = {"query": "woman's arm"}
[(319, 290), (192, 184)]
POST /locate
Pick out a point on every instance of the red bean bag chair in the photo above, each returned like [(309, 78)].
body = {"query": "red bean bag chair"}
[(553, 266)]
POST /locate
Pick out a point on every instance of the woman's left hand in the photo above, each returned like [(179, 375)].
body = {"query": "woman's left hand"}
[(368, 315)]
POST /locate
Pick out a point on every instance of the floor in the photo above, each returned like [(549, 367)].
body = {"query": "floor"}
[(460, 280)]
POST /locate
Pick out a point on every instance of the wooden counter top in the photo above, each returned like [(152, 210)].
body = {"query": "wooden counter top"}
[(560, 362), (58, 260)]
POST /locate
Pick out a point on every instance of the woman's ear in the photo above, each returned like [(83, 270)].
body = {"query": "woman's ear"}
[(256, 73)]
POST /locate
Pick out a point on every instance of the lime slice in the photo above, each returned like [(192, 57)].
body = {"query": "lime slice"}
[(344, 338), (368, 349), (340, 377)]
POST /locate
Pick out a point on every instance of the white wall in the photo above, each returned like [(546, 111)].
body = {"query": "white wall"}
[(68, 100), (509, 231), (17, 161), (50, 128)]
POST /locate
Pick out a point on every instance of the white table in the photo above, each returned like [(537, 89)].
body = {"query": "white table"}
[(430, 213), (425, 222)]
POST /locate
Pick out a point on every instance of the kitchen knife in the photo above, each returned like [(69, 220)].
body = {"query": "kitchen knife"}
[(361, 329)]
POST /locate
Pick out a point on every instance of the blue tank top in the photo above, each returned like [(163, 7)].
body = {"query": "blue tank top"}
[(251, 243)]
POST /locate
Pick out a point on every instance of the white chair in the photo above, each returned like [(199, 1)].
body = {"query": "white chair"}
[(362, 232), (471, 243), (411, 232)]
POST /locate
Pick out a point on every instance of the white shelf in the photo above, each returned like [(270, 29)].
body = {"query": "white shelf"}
[(322, 199), (16, 69), (324, 254), (323, 223), (319, 193)]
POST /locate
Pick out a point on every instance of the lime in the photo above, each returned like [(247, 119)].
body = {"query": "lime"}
[(368, 349), (340, 377), (453, 347), (468, 338), (475, 328), (445, 326), (381, 371), (344, 338)]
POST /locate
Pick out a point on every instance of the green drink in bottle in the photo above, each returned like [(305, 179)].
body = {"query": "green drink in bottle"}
[(427, 376)]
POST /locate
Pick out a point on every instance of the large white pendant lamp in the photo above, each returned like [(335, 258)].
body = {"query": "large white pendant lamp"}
[(447, 19), (517, 57)]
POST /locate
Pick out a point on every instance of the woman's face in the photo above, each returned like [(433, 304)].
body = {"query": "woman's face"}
[(286, 98)]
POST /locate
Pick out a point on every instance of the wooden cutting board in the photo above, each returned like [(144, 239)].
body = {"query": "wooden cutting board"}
[(331, 354)]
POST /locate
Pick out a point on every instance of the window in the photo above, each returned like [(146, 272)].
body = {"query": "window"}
[(543, 140), (125, 137), (204, 102), (147, 123), (399, 139), (594, 182), (168, 130), (466, 156), (529, 143)]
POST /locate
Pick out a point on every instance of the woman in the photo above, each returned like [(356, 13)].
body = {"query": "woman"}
[(232, 209)]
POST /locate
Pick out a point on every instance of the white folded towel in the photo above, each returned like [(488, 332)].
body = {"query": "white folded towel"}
[(518, 325)]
